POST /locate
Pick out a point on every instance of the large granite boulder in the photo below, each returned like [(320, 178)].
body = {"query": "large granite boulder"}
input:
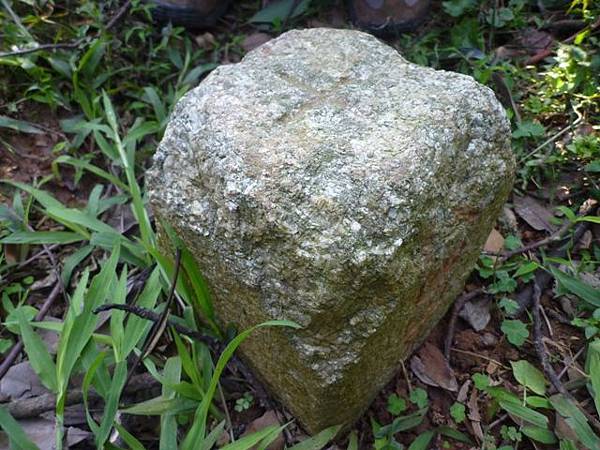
[(326, 180)]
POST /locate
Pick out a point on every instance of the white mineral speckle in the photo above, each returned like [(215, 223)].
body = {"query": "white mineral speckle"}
[(326, 180)]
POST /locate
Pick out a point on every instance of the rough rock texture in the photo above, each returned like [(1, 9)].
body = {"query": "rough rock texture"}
[(326, 180)]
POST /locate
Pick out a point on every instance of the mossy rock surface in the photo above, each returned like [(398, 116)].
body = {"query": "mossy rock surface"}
[(326, 180)]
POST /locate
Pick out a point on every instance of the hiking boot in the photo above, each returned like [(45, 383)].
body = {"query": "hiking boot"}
[(388, 16), (189, 13)]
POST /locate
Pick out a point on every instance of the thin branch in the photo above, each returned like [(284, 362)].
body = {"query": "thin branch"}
[(554, 237), (538, 343), (559, 249), (543, 356), (550, 140), (159, 326), (155, 317), (458, 305), (34, 406), (118, 15), (64, 45), (43, 47)]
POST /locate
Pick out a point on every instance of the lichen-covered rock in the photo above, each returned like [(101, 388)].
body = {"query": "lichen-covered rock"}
[(326, 180)]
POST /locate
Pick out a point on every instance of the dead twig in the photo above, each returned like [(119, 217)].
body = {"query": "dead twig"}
[(559, 249), (542, 355), (550, 140), (43, 47), (458, 305), (155, 317), (67, 45), (160, 325), (118, 15), (34, 406), (538, 343), (554, 237)]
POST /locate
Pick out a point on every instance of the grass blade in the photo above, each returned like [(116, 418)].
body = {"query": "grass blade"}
[(42, 237), (16, 435), (38, 354), (197, 431), (19, 125), (319, 441)]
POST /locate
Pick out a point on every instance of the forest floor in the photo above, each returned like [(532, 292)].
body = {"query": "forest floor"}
[(86, 89)]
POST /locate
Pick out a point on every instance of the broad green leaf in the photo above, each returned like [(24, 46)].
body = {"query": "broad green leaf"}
[(594, 166), (529, 376), (84, 323), (538, 402), (65, 360), (542, 435), (251, 440), (194, 74), (112, 402), (168, 421), (80, 163), (19, 125), (353, 441), (566, 444), (318, 441), (130, 439), (160, 405), (592, 366), (577, 287), (38, 354), (213, 436), (422, 441), (152, 97), (44, 198), (576, 421), (136, 326), (91, 58), (524, 413), (516, 331), (526, 268), (457, 8), (72, 261), (402, 423), (592, 219), (457, 411), (529, 129), (85, 387), (42, 237), (72, 215), (197, 431), (117, 331), (455, 434), (15, 433), (396, 405), (279, 10)]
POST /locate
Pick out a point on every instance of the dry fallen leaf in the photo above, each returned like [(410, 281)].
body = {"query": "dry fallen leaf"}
[(432, 368), (461, 397), (206, 41), (266, 420), (255, 40), (476, 313), (474, 415), (494, 243), (21, 382), (41, 432), (532, 212)]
